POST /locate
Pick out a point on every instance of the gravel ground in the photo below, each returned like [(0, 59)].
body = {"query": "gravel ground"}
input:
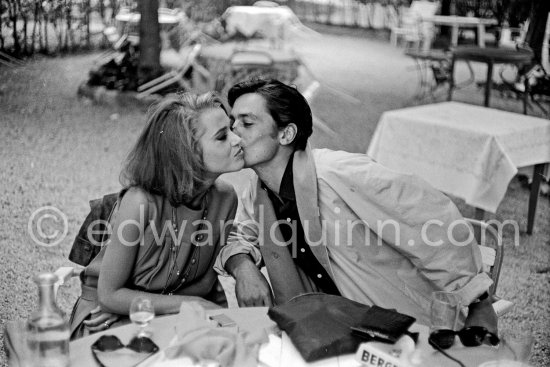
[(57, 150)]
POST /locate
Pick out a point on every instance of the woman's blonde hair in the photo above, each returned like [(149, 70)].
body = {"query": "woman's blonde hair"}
[(167, 158)]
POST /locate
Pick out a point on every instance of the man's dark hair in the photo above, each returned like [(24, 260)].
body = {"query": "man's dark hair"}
[(285, 104)]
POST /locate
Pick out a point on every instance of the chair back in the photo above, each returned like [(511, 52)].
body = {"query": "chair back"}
[(250, 58), (423, 8), (492, 250)]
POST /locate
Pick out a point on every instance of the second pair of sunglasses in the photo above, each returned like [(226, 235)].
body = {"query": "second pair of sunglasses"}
[(472, 336)]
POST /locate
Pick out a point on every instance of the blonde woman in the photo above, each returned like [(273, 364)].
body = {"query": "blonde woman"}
[(170, 218)]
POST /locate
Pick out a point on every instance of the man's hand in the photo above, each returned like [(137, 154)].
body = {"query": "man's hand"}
[(251, 288), (482, 314)]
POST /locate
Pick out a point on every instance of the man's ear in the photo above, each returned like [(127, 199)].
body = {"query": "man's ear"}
[(288, 134)]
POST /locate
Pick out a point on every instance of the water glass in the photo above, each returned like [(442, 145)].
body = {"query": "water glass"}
[(444, 311), (514, 349), (516, 345), (142, 313)]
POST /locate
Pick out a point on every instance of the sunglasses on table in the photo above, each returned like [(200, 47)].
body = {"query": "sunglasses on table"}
[(472, 336), (109, 351)]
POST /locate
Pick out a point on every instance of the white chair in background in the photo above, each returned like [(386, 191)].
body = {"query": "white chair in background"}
[(411, 25)]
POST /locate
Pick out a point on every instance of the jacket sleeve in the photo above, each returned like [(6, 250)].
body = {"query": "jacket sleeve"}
[(417, 220), (243, 238)]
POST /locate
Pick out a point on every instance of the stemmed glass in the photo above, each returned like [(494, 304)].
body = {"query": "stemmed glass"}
[(141, 314)]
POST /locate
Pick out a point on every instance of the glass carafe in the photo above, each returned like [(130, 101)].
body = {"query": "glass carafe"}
[(47, 328)]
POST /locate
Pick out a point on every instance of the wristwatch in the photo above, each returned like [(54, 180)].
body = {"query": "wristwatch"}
[(481, 298)]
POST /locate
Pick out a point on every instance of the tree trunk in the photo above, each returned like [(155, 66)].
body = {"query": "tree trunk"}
[(12, 10), (114, 5), (446, 10), (24, 16), (46, 21), (69, 36), (149, 41), (1, 36), (34, 24), (102, 10), (537, 27), (25, 35)]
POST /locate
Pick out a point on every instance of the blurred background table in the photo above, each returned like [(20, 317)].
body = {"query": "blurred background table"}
[(457, 22), (271, 22), (468, 151), (232, 62), (489, 56)]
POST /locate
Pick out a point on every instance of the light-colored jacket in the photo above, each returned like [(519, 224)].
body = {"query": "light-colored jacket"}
[(385, 238)]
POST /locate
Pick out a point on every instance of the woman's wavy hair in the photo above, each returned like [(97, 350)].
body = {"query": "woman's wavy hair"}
[(167, 158)]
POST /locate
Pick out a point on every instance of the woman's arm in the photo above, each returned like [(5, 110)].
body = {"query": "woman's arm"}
[(116, 268)]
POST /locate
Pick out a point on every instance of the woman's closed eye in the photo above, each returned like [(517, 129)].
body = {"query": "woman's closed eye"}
[(221, 134)]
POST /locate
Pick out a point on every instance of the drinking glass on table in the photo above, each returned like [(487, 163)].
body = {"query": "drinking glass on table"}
[(142, 313), (514, 349), (444, 317)]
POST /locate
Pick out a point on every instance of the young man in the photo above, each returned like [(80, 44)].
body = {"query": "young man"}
[(338, 222)]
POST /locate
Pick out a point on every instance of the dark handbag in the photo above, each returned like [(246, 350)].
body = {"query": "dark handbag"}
[(319, 324)]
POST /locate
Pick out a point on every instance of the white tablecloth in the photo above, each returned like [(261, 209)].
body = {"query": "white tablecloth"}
[(468, 151), (269, 21)]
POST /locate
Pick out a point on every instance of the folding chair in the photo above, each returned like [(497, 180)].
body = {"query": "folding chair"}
[(174, 76), (434, 68), (492, 254)]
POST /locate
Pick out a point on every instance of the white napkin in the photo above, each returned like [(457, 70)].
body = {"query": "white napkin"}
[(200, 341)]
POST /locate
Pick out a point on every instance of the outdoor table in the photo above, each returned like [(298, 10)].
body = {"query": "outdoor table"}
[(128, 23), (270, 21), (278, 352), (164, 18), (468, 151), (221, 61), (490, 56), (456, 22)]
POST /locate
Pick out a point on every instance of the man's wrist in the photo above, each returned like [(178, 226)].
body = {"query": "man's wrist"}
[(238, 263)]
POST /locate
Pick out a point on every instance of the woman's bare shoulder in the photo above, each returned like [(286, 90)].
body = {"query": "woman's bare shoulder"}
[(136, 197)]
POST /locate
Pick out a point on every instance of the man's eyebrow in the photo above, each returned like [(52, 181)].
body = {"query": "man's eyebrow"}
[(250, 115)]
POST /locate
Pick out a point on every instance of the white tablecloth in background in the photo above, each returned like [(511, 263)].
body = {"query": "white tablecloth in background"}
[(468, 151), (251, 19)]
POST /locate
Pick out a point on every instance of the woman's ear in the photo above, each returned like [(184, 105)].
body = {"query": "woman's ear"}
[(288, 134)]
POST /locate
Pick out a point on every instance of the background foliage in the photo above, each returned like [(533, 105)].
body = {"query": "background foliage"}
[(55, 26)]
